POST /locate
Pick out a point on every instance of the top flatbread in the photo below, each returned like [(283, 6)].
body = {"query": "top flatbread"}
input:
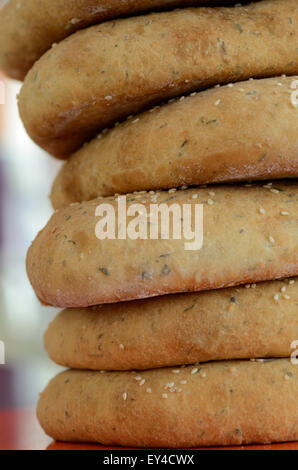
[(106, 72), (28, 28)]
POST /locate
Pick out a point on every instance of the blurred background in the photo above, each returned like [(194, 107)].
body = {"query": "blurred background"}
[(26, 175)]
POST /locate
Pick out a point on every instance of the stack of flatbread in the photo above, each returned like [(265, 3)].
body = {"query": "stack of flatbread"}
[(169, 342)]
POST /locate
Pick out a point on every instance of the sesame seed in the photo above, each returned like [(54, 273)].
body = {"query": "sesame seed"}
[(271, 239), (172, 389), (108, 98), (193, 94), (286, 296), (138, 377), (121, 346), (247, 286), (135, 120), (148, 390), (194, 371), (194, 196), (176, 371), (274, 191), (184, 187), (291, 282), (164, 395), (203, 374), (182, 98), (260, 360), (142, 382), (283, 289), (284, 213), (230, 85), (261, 210), (276, 297), (210, 202), (253, 286), (211, 193), (171, 191), (217, 102), (124, 396), (183, 382)]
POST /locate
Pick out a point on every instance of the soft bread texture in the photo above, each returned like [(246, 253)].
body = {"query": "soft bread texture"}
[(250, 235), (228, 403), (28, 28), (236, 323), (106, 72), (244, 132)]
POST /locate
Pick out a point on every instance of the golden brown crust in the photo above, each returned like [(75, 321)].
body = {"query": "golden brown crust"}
[(28, 28), (106, 72), (227, 403), (244, 132), (236, 323), (250, 235)]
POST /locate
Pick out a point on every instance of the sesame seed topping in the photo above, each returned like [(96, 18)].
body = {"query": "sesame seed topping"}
[(211, 193), (210, 202), (121, 346), (176, 371), (286, 296), (193, 94), (148, 390), (284, 213), (217, 102), (274, 191), (171, 191), (271, 239), (283, 289), (194, 371), (124, 396), (142, 382), (108, 98), (291, 282), (182, 98), (138, 377), (276, 297), (261, 210), (164, 395), (183, 382), (194, 196)]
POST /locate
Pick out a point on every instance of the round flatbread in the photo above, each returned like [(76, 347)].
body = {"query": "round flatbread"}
[(249, 235), (259, 320), (106, 72), (28, 28), (223, 403), (242, 132)]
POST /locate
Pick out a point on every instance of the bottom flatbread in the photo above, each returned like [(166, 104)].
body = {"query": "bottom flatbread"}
[(220, 403)]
